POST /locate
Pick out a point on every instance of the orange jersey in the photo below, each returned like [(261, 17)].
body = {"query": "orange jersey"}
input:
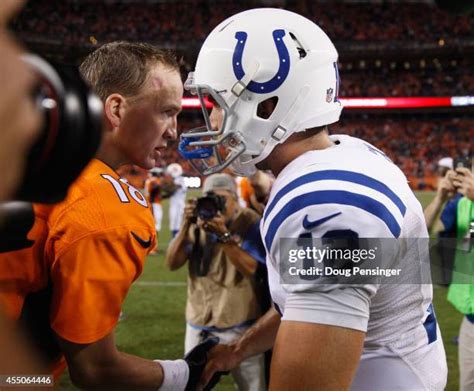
[(24, 271), (88, 250)]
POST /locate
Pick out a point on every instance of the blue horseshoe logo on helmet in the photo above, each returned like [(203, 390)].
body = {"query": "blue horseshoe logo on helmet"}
[(283, 69)]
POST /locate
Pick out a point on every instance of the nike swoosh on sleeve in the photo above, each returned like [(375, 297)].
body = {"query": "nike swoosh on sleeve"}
[(308, 225), (142, 242)]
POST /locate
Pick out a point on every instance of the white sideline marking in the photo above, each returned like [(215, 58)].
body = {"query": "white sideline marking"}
[(160, 283)]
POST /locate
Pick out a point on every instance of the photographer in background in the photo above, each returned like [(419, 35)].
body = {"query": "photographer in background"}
[(458, 218), (456, 194), (444, 192), (221, 243), (455, 185)]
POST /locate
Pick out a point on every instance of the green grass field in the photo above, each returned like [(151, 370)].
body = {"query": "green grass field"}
[(154, 321)]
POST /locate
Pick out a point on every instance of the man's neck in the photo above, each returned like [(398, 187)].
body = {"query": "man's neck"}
[(295, 146), (108, 155)]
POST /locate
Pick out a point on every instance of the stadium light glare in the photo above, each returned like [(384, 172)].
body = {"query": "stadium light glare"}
[(377, 102), (192, 182)]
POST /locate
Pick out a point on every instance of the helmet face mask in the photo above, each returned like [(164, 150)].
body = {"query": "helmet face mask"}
[(249, 60), (210, 150)]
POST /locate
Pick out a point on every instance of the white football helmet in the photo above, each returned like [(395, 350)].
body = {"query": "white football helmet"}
[(252, 58), (174, 170)]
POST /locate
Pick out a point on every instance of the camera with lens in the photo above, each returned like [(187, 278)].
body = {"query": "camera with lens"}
[(69, 138), (462, 162), (208, 206)]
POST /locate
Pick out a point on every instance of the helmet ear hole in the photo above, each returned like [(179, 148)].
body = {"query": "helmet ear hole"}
[(266, 108)]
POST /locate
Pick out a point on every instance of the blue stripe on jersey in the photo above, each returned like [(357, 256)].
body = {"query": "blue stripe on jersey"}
[(331, 197), (430, 325), (340, 175)]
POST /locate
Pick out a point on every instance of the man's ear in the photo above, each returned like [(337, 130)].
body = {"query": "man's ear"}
[(114, 109)]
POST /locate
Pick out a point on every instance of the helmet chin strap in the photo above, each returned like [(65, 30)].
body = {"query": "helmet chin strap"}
[(284, 130)]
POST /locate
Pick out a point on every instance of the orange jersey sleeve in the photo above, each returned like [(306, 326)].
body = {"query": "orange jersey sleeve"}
[(24, 270), (98, 240)]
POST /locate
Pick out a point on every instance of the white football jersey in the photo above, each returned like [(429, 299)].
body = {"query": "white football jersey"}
[(179, 196), (177, 202), (352, 187)]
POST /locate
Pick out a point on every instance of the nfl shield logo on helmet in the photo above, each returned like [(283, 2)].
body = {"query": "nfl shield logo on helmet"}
[(329, 95)]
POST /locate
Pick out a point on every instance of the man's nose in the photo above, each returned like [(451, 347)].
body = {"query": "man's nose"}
[(172, 130)]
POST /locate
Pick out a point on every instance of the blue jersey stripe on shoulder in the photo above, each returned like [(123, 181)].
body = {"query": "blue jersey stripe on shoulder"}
[(340, 175), (331, 197)]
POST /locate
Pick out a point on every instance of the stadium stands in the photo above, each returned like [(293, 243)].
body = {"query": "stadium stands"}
[(414, 144), (419, 57), (190, 21)]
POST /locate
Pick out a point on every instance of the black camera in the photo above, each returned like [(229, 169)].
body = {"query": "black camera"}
[(71, 133), (72, 128), (209, 206), (462, 162)]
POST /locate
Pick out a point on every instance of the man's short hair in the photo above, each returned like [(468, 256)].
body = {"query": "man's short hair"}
[(122, 67)]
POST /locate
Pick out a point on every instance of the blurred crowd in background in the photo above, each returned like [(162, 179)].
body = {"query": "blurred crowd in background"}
[(407, 78), (426, 55), (415, 145), (88, 24), (191, 20)]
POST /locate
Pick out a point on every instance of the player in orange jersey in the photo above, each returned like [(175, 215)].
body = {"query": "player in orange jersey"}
[(71, 280)]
